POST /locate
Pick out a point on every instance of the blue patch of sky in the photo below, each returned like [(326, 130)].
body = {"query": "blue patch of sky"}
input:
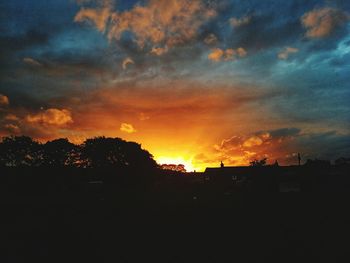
[(21, 16)]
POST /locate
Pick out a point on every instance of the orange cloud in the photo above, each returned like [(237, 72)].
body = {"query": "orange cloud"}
[(166, 23), (218, 54), (97, 16), (4, 100), (128, 128), (159, 50), (322, 22), (252, 141), (53, 117)]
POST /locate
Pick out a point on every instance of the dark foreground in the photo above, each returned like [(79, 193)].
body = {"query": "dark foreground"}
[(169, 219)]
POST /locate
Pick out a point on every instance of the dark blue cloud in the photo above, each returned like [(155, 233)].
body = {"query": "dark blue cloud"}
[(328, 145)]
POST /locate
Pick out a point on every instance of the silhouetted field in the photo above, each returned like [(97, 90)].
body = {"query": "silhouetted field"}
[(71, 214)]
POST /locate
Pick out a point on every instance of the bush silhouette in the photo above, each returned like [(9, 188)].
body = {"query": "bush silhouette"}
[(258, 163)]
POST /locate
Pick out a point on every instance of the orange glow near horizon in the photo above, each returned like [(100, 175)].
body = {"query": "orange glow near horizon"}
[(179, 160), (197, 127)]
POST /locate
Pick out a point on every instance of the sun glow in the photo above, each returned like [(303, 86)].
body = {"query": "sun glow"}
[(177, 160)]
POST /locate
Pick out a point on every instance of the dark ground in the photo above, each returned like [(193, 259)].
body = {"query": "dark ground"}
[(170, 220)]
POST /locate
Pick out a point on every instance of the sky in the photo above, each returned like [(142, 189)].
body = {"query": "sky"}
[(194, 82)]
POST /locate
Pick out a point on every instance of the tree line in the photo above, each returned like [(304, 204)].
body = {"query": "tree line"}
[(97, 152)]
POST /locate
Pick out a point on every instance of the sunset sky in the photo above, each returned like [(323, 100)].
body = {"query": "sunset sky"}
[(195, 82)]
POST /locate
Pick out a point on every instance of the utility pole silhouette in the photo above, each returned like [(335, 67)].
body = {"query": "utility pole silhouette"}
[(299, 159)]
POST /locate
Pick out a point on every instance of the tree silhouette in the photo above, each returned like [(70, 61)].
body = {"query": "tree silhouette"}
[(114, 152), (16, 151), (137, 157), (20, 151), (59, 152)]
